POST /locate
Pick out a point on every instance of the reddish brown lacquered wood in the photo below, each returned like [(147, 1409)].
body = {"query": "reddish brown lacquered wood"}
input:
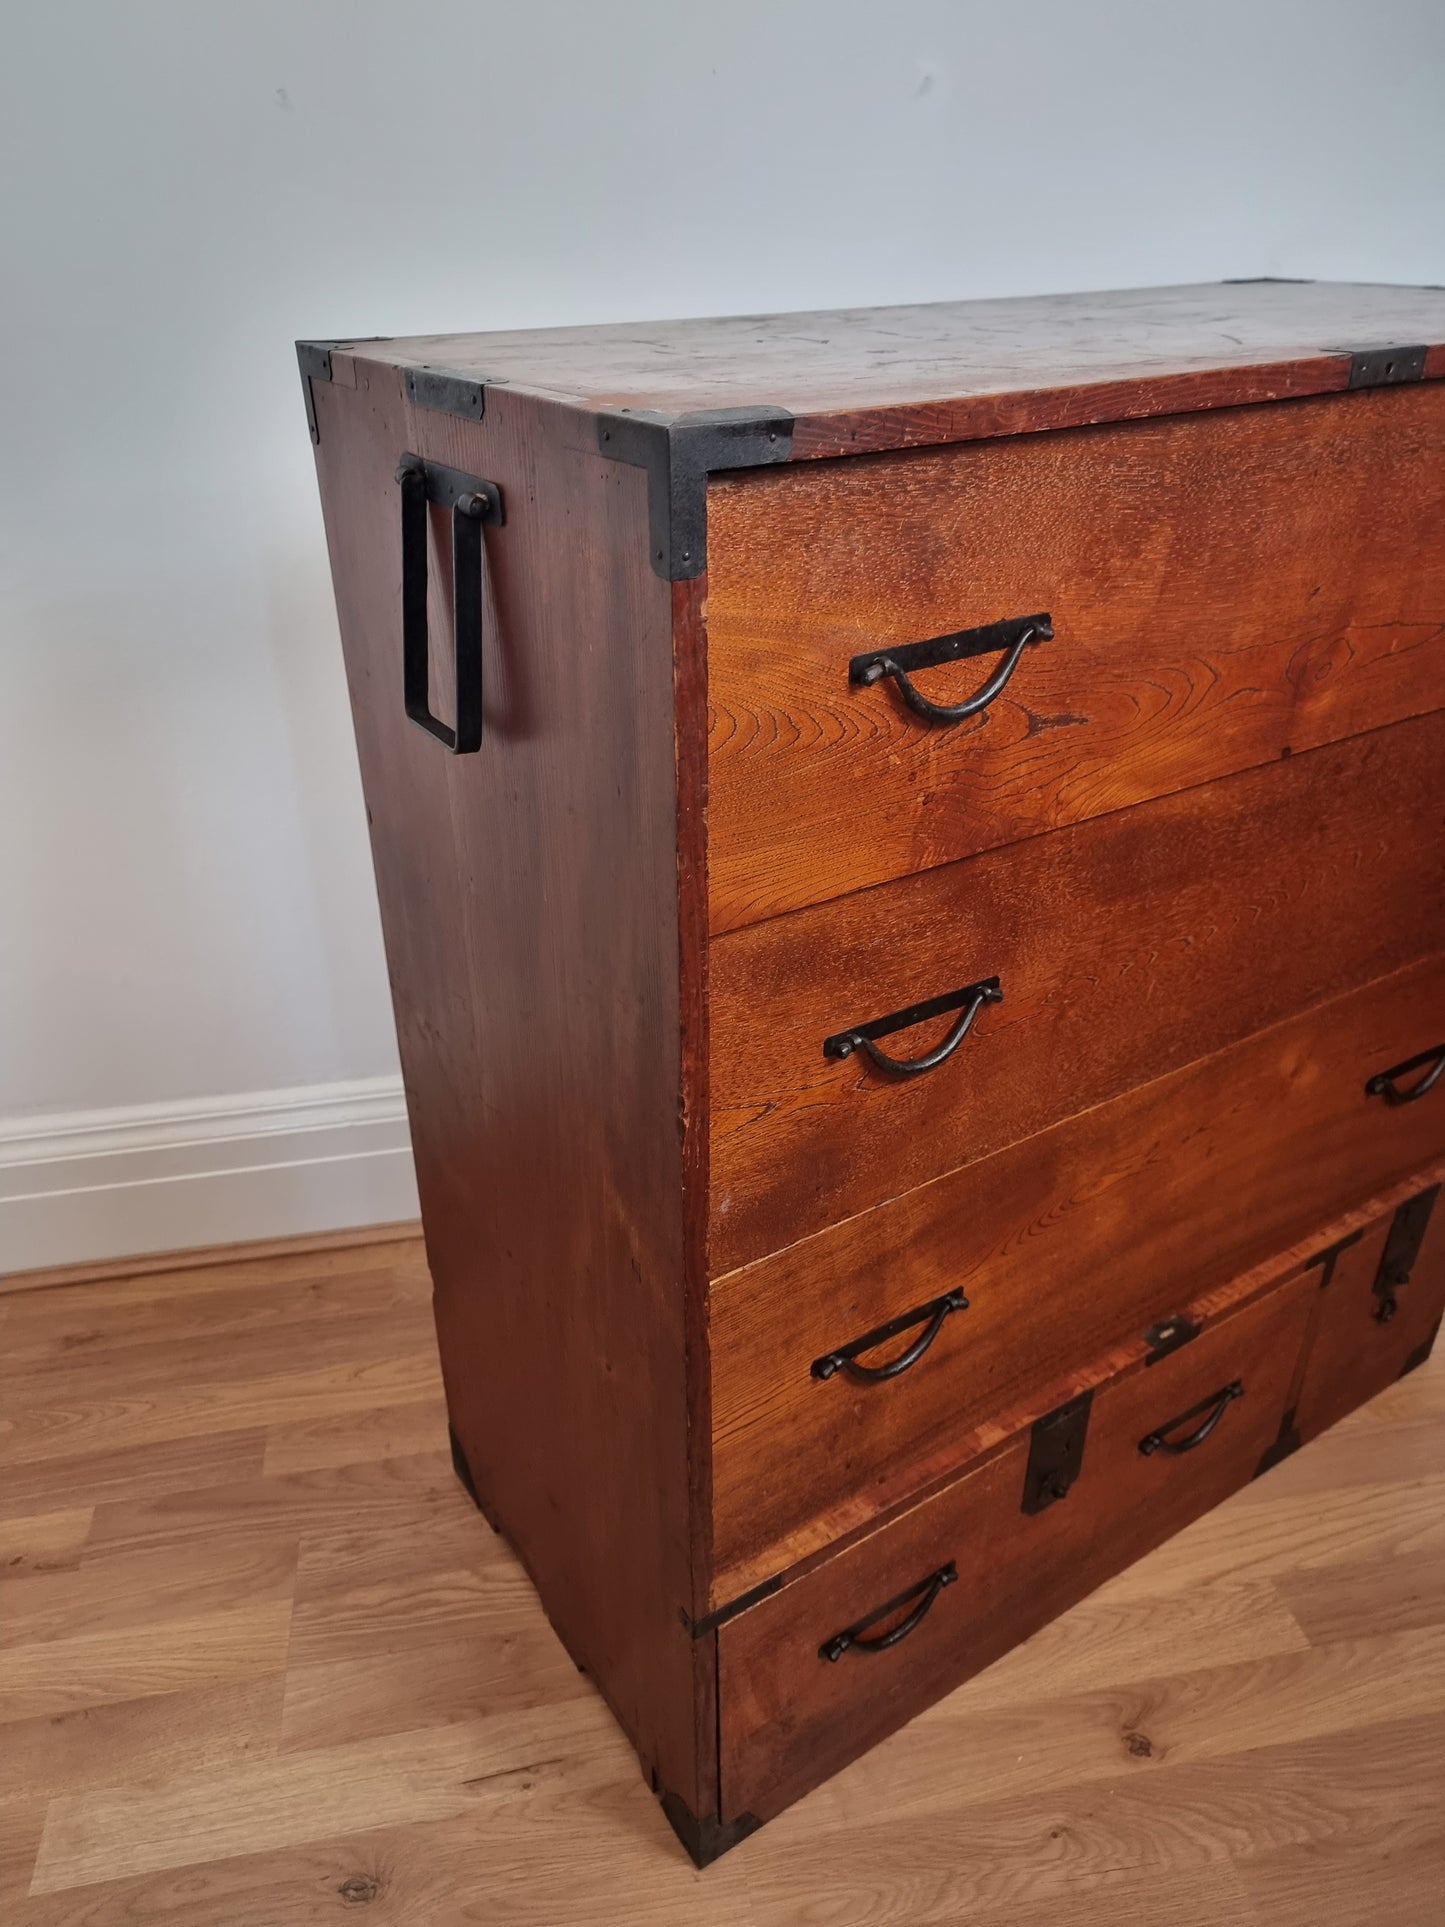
[(546, 914), (1094, 1229), (861, 378), (790, 1717), (529, 899), (1355, 1352), (845, 1524), (689, 601), (1223, 590), (1125, 946)]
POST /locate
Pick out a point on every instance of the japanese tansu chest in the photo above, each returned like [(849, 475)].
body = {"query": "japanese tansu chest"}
[(911, 848)]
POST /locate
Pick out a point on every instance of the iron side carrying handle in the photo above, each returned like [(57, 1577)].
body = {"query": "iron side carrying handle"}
[(1013, 636), (845, 1359), (472, 503), (1215, 1406), (969, 1001), (925, 1592), (1383, 1083)]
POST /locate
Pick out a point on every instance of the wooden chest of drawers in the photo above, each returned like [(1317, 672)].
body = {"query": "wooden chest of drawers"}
[(916, 916)]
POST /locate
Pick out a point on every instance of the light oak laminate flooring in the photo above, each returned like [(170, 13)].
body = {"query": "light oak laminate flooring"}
[(262, 1664)]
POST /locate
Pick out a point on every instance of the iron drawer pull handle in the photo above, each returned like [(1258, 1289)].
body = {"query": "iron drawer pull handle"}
[(845, 1359), (851, 1638), (1013, 636), (969, 1002), (1383, 1083), (472, 503), (1216, 1406)]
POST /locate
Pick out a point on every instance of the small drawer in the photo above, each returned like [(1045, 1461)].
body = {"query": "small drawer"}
[(1094, 1229), (1379, 1308), (1070, 968), (823, 1669), (1224, 588)]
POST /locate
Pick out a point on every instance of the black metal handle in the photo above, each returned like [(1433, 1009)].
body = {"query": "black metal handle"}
[(472, 503), (1216, 1406), (1383, 1083), (851, 1638), (970, 1000), (1013, 636), (845, 1359)]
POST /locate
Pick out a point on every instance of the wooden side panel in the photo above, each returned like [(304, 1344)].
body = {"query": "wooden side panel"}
[(1225, 589), (529, 899), (1063, 1244), (790, 1716), (1125, 946), (1371, 1328)]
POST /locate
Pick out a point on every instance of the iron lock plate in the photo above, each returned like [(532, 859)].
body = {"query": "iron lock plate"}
[(1056, 1453)]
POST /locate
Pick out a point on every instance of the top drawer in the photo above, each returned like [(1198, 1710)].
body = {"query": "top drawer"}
[(1224, 588)]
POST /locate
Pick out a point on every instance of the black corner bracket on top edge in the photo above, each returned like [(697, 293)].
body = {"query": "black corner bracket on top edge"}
[(427, 387), (314, 360), (679, 452)]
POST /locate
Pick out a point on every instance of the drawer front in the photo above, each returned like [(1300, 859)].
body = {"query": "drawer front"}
[(1066, 1242), (1122, 948), (1377, 1316), (1159, 1448), (1224, 588)]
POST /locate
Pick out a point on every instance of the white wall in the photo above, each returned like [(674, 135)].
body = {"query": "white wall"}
[(187, 922)]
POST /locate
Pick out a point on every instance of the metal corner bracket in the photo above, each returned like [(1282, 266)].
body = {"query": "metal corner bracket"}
[(449, 393), (314, 360), (1386, 366), (679, 452), (426, 387)]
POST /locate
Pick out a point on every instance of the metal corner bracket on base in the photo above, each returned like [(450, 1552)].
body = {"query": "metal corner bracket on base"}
[(1421, 1352), (679, 452), (707, 1839), (1287, 1442)]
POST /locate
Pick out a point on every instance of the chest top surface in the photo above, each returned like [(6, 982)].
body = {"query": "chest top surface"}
[(688, 399), (880, 360)]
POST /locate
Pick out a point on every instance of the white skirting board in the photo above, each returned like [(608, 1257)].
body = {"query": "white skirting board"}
[(91, 1185)]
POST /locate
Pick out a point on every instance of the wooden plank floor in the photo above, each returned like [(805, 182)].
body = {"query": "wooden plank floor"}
[(263, 1665)]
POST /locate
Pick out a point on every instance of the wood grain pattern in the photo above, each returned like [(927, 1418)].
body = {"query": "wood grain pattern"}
[(1126, 946), (789, 1716), (1291, 1704), (529, 902), (1223, 591), (867, 378), (546, 912), (1108, 1221), (49, 1542)]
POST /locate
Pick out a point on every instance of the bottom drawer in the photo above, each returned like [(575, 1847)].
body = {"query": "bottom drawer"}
[(813, 1675), (1375, 1317)]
